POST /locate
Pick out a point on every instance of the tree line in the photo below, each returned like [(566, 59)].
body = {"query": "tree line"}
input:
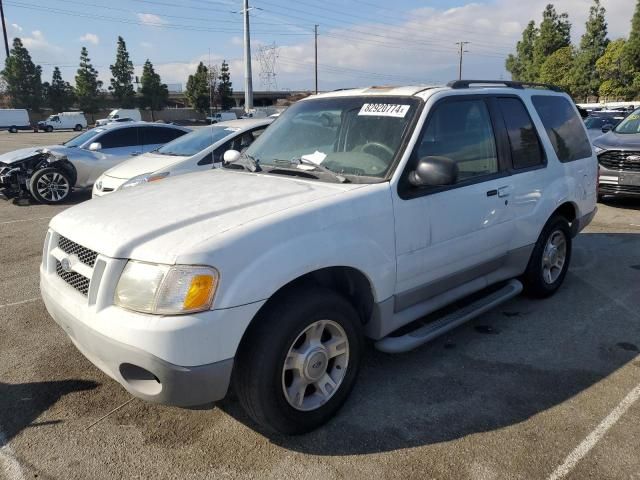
[(22, 84), (597, 67)]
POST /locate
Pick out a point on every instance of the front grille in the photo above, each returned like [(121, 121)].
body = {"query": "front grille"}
[(618, 160), (611, 189), (77, 281), (86, 256)]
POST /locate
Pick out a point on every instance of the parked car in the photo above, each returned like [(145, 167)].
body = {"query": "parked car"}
[(64, 121), (128, 113), (14, 119), (201, 149), (221, 117), (50, 174), (355, 214), (600, 123), (619, 158)]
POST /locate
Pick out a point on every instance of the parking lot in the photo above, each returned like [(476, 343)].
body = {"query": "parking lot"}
[(532, 390)]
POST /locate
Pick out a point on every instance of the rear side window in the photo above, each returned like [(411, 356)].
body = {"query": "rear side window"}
[(526, 150), (159, 135), (564, 127), (462, 131), (122, 137)]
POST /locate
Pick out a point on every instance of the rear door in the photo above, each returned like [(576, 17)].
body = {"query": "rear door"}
[(154, 137), (448, 236)]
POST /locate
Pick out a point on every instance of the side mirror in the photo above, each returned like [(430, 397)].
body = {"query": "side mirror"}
[(231, 156), (95, 146), (434, 172), (607, 128)]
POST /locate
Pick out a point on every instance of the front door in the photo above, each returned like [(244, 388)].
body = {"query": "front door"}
[(450, 235)]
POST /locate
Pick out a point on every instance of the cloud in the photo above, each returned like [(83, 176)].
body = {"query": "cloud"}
[(151, 19), (16, 28), (40, 47), (146, 44), (90, 38)]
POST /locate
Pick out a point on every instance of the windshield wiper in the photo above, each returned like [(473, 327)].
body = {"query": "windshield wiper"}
[(322, 168), (248, 162)]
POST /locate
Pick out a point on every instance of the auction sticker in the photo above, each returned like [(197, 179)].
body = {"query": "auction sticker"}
[(384, 110)]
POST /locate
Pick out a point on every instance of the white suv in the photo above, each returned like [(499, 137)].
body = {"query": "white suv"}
[(355, 214)]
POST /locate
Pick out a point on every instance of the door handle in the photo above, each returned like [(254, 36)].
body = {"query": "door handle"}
[(504, 191), (133, 154), (492, 193)]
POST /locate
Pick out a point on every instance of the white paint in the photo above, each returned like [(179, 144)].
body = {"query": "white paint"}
[(26, 220), (588, 443), (9, 464), (20, 302)]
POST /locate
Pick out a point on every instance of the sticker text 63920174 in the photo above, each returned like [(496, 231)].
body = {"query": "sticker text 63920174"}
[(384, 110)]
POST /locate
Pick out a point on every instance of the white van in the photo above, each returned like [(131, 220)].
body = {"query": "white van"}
[(221, 117), (14, 119), (64, 121), (118, 113)]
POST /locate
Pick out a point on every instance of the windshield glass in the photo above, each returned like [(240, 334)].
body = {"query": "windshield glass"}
[(353, 136), (51, 117), (196, 141), (83, 137), (599, 122), (631, 124)]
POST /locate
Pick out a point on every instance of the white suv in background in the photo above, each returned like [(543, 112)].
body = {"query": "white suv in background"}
[(355, 214)]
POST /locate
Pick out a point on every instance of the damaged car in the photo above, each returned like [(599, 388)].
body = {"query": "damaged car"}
[(50, 174)]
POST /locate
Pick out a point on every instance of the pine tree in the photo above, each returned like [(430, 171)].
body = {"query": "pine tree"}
[(23, 78), (631, 53), (225, 89), (520, 65), (122, 73), (555, 33), (197, 91), (617, 77), (58, 94), (593, 44), (87, 85), (153, 93), (557, 69)]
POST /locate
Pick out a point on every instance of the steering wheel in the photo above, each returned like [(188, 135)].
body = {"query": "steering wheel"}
[(379, 147)]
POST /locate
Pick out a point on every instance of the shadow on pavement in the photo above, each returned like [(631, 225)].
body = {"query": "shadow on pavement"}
[(74, 199), (501, 369), (21, 404), (626, 203)]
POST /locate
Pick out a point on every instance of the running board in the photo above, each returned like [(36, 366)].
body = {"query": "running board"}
[(434, 329)]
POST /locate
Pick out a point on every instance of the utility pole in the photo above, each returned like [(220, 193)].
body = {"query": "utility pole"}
[(4, 30), (462, 51), (316, 52), (248, 84)]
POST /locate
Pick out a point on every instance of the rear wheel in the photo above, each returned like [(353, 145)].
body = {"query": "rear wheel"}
[(13, 129), (300, 360), (49, 129), (78, 128), (50, 185), (550, 259)]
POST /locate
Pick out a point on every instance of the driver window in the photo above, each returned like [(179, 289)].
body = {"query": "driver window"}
[(462, 131)]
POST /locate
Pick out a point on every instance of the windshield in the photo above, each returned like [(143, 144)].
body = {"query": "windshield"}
[(82, 138), (631, 124), (352, 136), (599, 122), (196, 141)]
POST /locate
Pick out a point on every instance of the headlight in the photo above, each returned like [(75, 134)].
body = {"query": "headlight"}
[(598, 149), (166, 290), (144, 178)]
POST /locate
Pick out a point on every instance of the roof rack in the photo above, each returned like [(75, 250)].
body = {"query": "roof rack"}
[(507, 83)]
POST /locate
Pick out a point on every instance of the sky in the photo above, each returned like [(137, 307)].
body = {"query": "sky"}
[(360, 42)]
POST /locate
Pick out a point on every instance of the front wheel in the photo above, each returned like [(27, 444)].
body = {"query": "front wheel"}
[(50, 185), (13, 130), (299, 361), (49, 129), (550, 259)]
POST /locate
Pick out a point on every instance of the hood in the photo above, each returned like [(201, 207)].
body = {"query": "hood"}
[(618, 141), (160, 221), (145, 163), (17, 155)]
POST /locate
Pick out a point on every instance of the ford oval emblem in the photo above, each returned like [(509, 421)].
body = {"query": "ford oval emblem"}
[(633, 158), (65, 263)]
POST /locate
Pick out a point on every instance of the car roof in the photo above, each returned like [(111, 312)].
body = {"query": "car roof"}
[(117, 125), (245, 123)]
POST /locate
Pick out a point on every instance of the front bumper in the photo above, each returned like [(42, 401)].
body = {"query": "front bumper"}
[(619, 183), (141, 373), (106, 185)]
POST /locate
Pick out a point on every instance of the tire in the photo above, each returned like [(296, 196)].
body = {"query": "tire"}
[(78, 128), (546, 269), (49, 129), (260, 378), (13, 130), (41, 188)]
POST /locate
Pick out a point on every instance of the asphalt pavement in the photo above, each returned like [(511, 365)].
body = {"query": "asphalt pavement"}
[(536, 389)]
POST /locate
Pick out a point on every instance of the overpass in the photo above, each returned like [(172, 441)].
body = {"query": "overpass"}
[(260, 98)]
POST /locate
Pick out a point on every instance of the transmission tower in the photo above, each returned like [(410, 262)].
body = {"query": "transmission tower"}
[(267, 56)]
